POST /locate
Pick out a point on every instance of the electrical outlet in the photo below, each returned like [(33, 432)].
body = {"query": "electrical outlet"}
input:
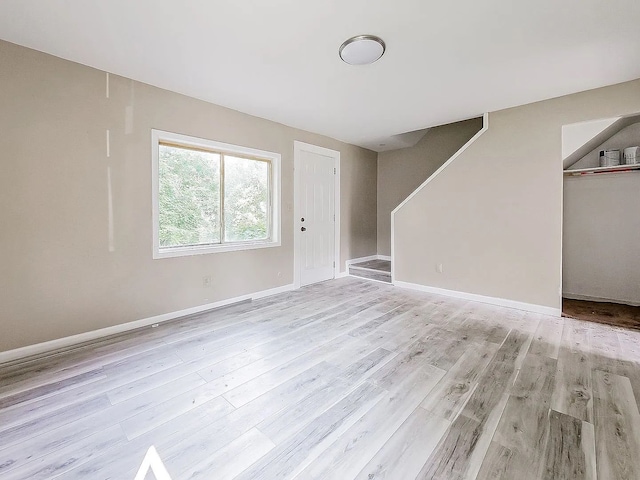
[(439, 268), (206, 281)]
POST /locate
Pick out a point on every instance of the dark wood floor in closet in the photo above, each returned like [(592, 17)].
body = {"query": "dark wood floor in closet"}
[(615, 314)]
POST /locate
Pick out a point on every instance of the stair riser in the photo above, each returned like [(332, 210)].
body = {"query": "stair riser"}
[(371, 275)]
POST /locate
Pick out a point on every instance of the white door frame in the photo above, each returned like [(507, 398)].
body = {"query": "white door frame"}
[(297, 148)]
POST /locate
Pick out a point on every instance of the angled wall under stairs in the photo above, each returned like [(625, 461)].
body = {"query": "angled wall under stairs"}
[(401, 171)]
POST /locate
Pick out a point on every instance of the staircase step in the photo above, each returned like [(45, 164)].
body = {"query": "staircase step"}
[(370, 274)]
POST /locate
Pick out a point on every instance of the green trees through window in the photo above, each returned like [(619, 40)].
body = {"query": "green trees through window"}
[(246, 196), (209, 198)]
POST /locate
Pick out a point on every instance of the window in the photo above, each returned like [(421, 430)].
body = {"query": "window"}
[(212, 197)]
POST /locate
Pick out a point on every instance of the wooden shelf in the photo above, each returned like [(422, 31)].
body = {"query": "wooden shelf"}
[(618, 168)]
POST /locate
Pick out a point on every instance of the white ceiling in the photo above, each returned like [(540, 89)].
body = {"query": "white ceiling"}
[(278, 59)]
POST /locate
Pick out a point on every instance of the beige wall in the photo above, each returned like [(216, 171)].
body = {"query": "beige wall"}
[(400, 172), (58, 276), (493, 217), (601, 237)]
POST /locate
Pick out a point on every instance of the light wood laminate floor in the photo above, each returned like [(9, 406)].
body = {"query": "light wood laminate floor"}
[(347, 379)]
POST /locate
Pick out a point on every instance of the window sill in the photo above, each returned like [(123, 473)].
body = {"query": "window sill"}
[(203, 250)]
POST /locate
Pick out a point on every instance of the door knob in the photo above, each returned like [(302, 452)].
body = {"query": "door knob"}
[(302, 229)]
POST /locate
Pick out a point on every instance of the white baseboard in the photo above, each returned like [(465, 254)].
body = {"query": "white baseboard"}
[(66, 342), (588, 298), (501, 302), (384, 257), (342, 274)]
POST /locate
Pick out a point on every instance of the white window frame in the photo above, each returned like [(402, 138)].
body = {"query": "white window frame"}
[(160, 136)]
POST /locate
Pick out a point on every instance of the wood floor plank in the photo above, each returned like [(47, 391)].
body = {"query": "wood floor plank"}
[(28, 411), (359, 350), (250, 340), (200, 433), (293, 456), (152, 417), (569, 454), (546, 339), (604, 341), (82, 359), (233, 459), (180, 457), (161, 357), (122, 461), (282, 425), (376, 323), (257, 386), (245, 384), (404, 333), (630, 344), (573, 394), (62, 416), (447, 313), (526, 435), (78, 423), (402, 365), (575, 335), (404, 454), (67, 458), (451, 393), (398, 334), (357, 446), (630, 350), (203, 345), (295, 317), (367, 365), (285, 423), (230, 364), (461, 451), (287, 364), (497, 464), (617, 424), (451, 457), (42, 379), (255, 335), (481, 331), (605, 350), (50, 389), (118, 387), (497, 377), (449, 348), (630, 370)]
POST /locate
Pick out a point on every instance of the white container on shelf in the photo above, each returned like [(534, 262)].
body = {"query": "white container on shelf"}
[(609, 158), (632, 156)]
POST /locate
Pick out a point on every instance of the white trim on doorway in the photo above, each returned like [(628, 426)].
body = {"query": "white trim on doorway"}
[(297, 147)]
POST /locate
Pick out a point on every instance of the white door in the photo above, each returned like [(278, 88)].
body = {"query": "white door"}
[(315, 218)]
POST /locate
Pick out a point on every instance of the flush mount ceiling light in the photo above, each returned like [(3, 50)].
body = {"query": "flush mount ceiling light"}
[(362, 49)]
